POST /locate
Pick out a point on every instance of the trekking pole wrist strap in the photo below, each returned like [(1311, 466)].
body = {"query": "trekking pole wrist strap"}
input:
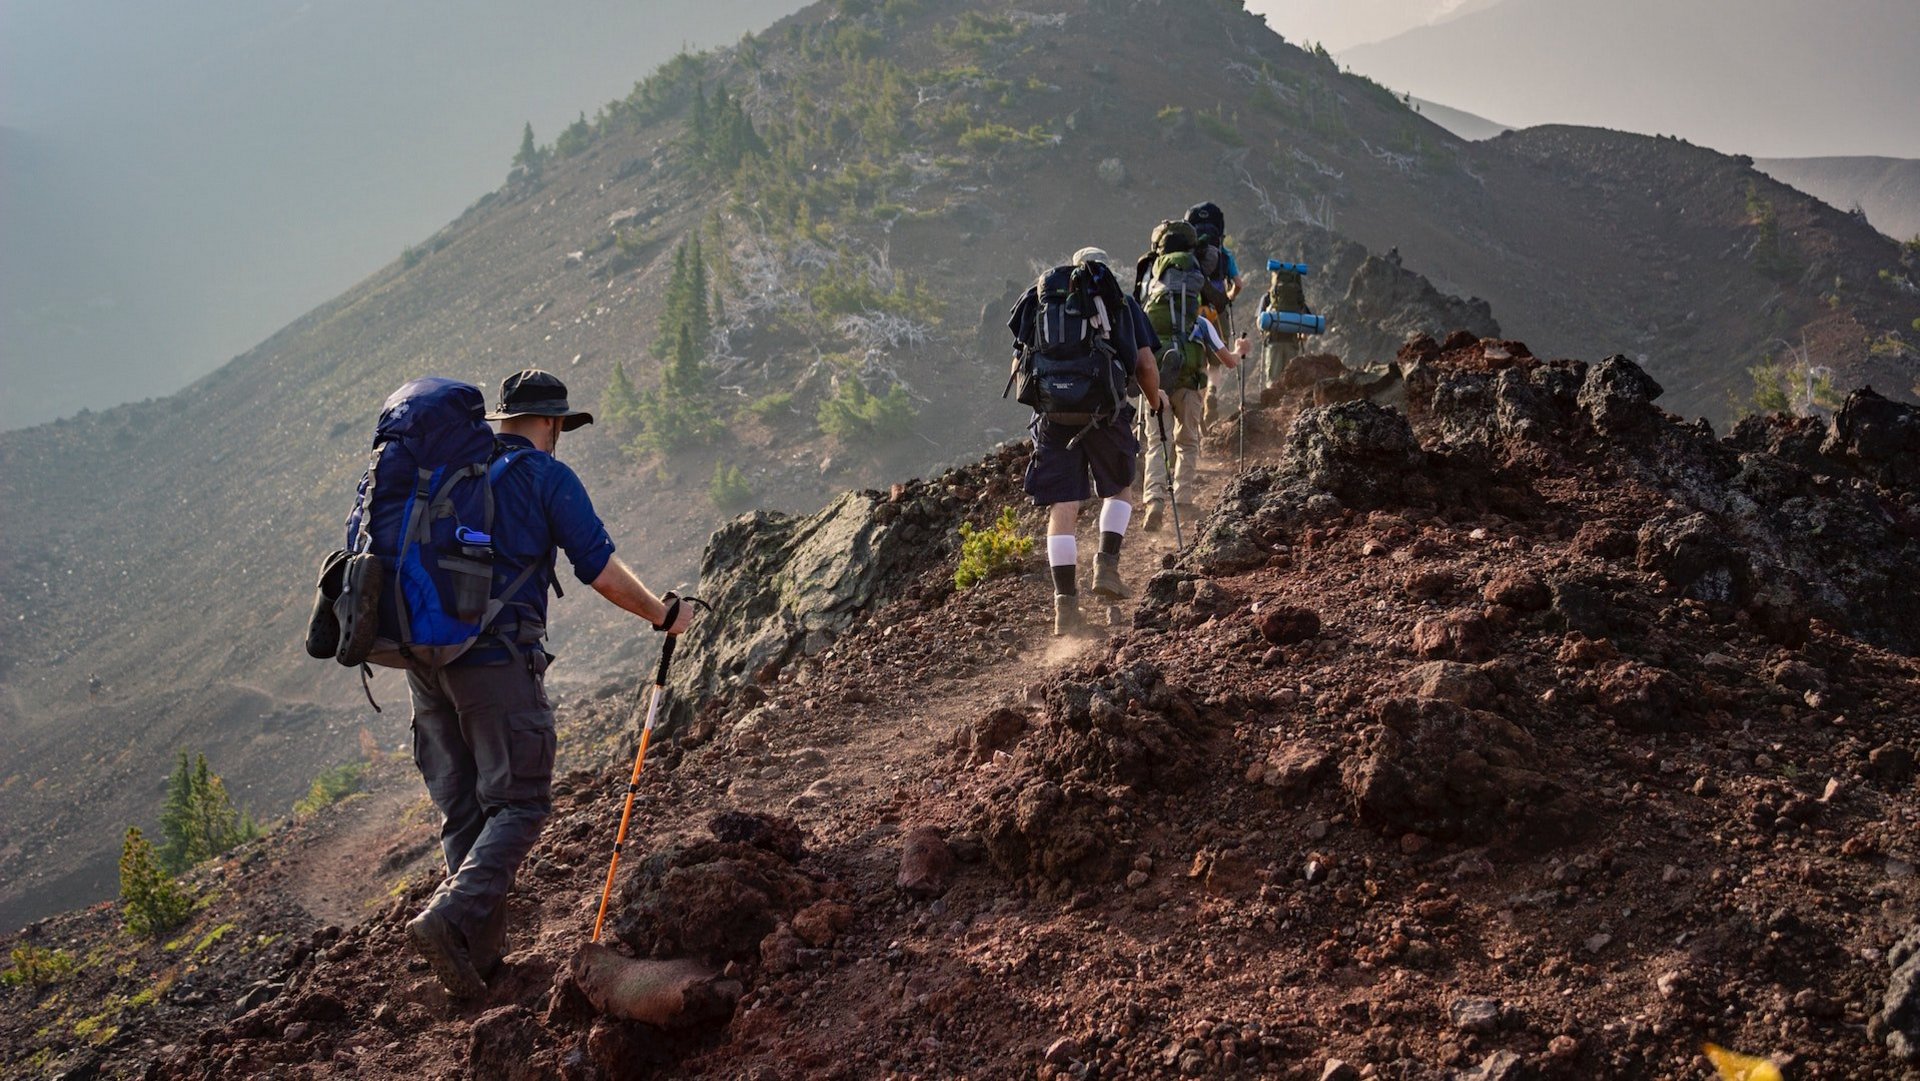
[(672, 601)]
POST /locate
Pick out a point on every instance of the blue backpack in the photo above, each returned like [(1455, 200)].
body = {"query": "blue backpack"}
[(414, 586)]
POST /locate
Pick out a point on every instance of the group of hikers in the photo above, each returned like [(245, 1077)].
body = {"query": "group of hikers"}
[(1085, 352), (458, 499)]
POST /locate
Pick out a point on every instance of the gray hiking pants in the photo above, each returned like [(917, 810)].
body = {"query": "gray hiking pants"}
[(483, 739)]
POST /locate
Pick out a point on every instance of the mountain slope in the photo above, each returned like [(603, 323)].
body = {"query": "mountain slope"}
[(1762, 77), (907, 173), (1888, 189), (1460, 122), (1447, 746)]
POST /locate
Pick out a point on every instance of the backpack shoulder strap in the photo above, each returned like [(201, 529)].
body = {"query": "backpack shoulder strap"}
[(503, 460)]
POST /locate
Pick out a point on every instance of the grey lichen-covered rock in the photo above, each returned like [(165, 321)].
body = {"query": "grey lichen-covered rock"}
[(1618, 396), (1898, 1022), (1879, 437), (1357, 452), (784, 586), (1112, 172)]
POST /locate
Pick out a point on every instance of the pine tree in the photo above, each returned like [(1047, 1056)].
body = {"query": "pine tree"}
[(176, 818), (698, 317), (529, 153), (151, 901), (198, 821), (620, 406)]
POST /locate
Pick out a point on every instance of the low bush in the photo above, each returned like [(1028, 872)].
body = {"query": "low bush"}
[(986, 553), (330, 787), (151, 902), (37, 966)]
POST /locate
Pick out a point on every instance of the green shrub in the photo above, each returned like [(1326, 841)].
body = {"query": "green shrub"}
[(995, 550), (37, 966), (1219, 127), (729, 489), (975, 31), (151, 902), (769, 406), (989, 137), (573, 138), (330, 787), (852, 414)]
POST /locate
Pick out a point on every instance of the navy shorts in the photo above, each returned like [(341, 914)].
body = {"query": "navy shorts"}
[(1059, 474)]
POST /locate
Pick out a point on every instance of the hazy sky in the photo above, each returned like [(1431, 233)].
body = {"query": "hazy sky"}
[(1339, 24), (1769, 78), (180, 179)]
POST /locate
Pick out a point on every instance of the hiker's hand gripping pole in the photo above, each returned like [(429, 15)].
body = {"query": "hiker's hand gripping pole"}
[(673, 602)]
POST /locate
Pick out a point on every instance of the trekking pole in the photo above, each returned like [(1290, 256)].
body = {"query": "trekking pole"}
[(640, 759), (1242, 414), (1166, 462)]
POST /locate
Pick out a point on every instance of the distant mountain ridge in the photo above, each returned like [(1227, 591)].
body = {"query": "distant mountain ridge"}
[(1888, 189), (906, 171), (1838, 77)]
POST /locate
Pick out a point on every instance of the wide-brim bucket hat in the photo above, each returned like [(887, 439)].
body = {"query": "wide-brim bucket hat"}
[(534, 393)]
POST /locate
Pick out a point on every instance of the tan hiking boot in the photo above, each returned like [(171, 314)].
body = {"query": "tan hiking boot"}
[(1154, 516), (1106, 577), (435, 938), (1066, 615)]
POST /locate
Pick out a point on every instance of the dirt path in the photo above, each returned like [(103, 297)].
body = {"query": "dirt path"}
[(345, 862)]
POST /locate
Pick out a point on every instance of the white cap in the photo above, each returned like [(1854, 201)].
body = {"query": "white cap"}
[(1089, 255)]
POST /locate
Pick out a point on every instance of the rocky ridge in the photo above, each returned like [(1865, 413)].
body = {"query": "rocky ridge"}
[(1519, 734)]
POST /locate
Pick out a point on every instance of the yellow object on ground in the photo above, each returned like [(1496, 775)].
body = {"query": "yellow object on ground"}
[(1734, 1066)]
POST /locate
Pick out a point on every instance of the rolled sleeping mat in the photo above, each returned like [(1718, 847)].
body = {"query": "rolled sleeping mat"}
[(1277, 266), (1292, 323)]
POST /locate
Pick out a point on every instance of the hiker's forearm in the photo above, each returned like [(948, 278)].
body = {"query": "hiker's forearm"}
[(618, 583), (1146, 372)]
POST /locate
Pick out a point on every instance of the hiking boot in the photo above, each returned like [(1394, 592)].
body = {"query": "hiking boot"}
[(1066, 615), (490, 944), (1152, 522), (435, 938), (1106, 577)]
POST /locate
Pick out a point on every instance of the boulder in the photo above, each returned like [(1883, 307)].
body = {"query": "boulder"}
[(671, 994)]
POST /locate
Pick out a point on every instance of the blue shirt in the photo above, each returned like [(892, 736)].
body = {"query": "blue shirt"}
[(540, 508), (1233, 267)]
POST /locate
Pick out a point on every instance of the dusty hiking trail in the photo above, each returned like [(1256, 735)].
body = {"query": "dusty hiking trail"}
[(341, 872)]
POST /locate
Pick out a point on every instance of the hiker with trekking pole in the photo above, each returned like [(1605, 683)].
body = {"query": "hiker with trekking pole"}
[(1080, 343), (451, 548), (1183, 305)]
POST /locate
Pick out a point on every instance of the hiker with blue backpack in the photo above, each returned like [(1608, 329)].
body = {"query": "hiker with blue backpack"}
[(451, 548), (1080, 344)]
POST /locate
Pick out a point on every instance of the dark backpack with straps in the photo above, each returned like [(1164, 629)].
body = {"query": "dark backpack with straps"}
[(415, 585), (1069, 363)]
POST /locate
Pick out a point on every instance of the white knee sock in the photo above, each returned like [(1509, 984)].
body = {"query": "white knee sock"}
[(1114, 516), (1063, 555)]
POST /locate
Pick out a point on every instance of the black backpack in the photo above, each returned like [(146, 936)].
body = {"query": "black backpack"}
[(1068, 361), (1207, 218)]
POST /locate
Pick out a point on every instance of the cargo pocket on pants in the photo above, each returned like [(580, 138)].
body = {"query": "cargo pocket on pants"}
[(530, 751)]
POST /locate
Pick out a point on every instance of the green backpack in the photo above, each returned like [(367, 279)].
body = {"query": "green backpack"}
[(1176, 289), (1288, 293)]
